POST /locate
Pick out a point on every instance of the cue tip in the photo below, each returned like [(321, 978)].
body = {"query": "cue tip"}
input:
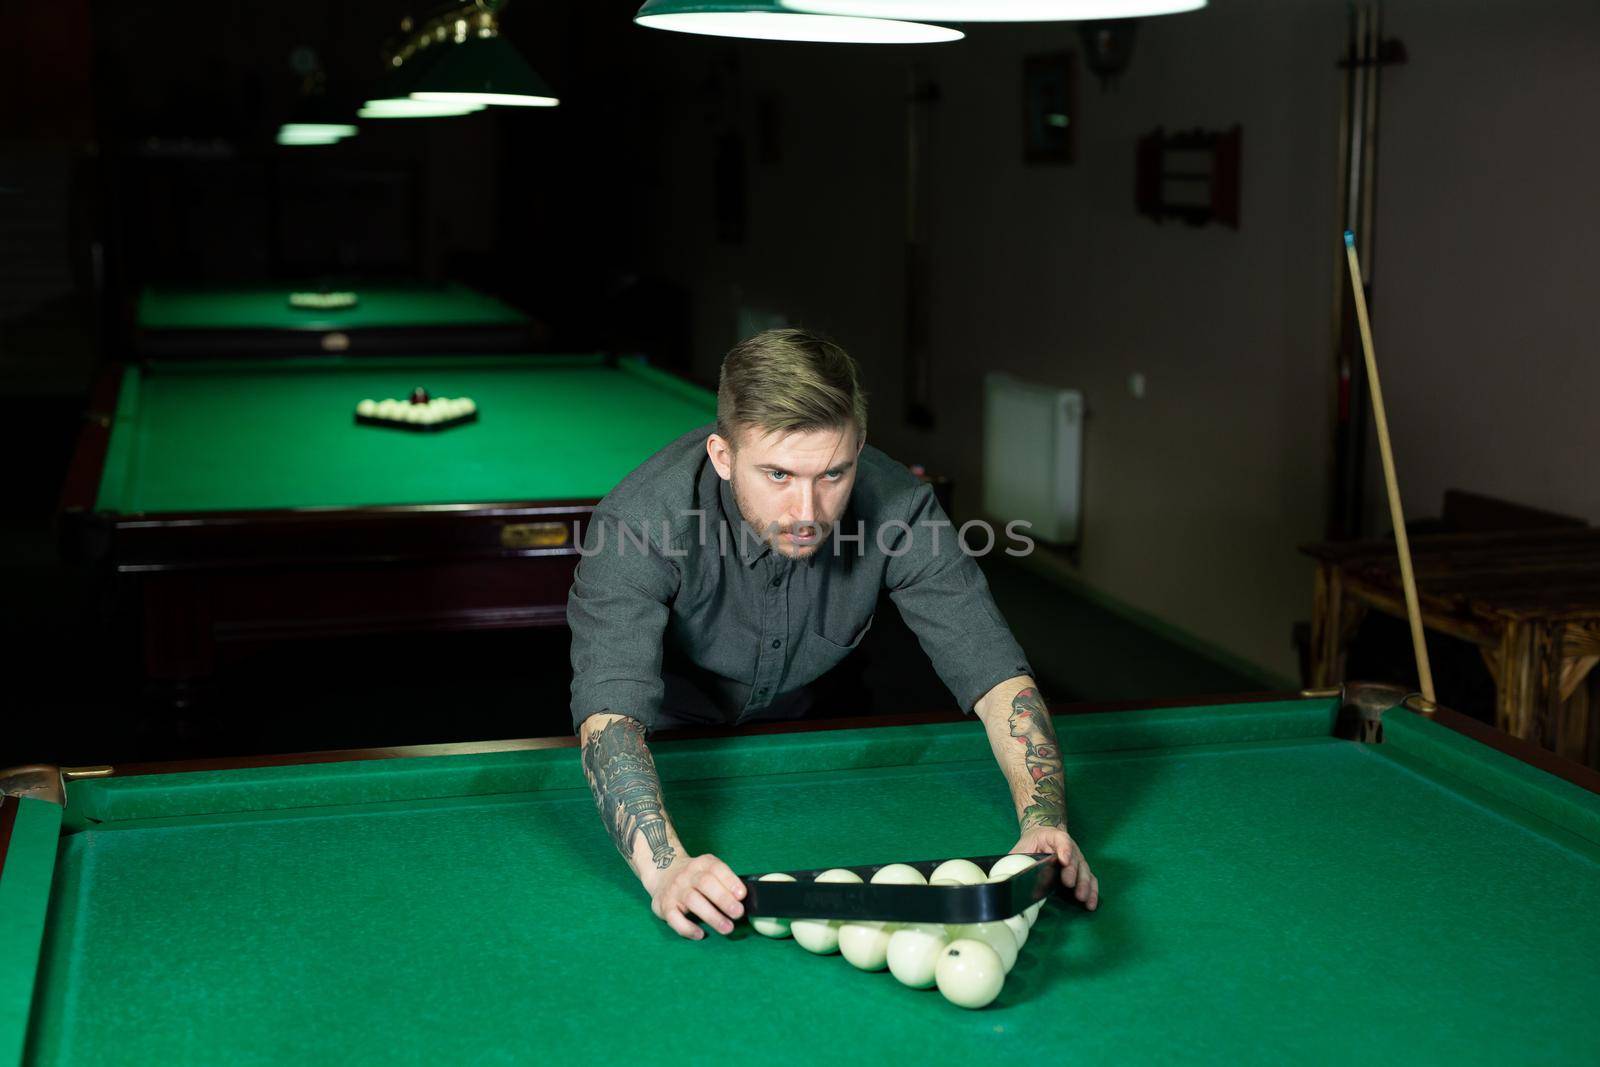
[(1349, 239)]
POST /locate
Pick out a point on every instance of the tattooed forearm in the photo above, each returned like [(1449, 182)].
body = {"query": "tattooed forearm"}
[(1029, 723), (627, 790)]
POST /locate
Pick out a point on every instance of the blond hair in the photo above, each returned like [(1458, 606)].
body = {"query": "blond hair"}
[(789, 381)]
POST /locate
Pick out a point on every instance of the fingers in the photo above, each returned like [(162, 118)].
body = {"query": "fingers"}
[(1087, 889), (703, 889), (729, 882), (707, 912), (1076, 875), (1070, 860), (682, 925), (716, 883), (719, 896)]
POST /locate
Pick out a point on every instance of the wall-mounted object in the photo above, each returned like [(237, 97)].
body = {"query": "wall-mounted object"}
[(1033, 457), (1049, 108), (1193, 176), (1108, 47)]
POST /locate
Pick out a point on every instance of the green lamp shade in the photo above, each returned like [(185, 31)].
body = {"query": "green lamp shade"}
[(394, 96), (994, 10), (771, 20), (317, 129), (414, 109), (295, 140), (486, 70), (314, 133), (397, 84)]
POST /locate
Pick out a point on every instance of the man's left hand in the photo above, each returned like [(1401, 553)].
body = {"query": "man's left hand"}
[(1075, 873)]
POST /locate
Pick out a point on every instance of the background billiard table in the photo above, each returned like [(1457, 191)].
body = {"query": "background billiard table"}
[(387, 318), (238, 501)]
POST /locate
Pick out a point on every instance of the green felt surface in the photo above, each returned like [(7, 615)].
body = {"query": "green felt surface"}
[(1524, 787), (225, 435), (24, 895), (148, 797), (266, 307), (1270, 895)]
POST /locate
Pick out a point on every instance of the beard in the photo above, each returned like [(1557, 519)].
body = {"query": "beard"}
[(772, 533)]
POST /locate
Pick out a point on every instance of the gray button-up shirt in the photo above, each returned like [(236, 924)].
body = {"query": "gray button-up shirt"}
[(670, 570)]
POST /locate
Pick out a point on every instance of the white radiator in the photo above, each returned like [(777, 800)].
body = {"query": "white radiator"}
[(1033, 456)]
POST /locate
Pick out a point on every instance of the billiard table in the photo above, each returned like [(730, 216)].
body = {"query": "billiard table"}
[(1275, 890), (387, 318), (238, 500)]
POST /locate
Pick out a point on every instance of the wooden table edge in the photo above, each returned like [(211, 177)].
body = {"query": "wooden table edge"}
[(1376, 697)]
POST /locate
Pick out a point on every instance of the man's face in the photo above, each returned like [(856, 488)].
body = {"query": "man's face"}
[(791, 488)]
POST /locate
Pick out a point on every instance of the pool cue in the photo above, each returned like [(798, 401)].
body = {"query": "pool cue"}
[(1403, 544)]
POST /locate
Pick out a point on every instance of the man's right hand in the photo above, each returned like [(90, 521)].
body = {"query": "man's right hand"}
[(697, 889)]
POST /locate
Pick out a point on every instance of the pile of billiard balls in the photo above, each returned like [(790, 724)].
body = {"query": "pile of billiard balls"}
[(968, 963), (420, 410)]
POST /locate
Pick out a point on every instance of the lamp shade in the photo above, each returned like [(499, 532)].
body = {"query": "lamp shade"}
[(414, 109), (484, 70), (297, 138), (399, 81), (393, 98), (994, 10), (317, 129), (771, 20), (317, 117)]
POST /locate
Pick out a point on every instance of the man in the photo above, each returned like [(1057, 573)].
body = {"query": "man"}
[(741, 563)]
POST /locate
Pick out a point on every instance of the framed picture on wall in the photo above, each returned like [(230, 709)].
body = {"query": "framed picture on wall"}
[(1049, 108)]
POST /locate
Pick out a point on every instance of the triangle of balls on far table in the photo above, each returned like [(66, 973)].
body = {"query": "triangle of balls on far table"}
[(420, 412), (968, 962)]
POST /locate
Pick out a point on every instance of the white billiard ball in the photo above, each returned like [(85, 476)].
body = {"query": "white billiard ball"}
[(866, 944), (1006, 866), (416, 413), (772, 927), (468, 406), (969, 974), (367, 408), (822, 935), (1019, 927), (1033, 911), (816, 935), (964, 871), (994, 934), (914, 952), (898, 874)]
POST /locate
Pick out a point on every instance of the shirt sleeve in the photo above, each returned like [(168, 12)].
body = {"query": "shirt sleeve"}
[(945, 599), (617, 611)]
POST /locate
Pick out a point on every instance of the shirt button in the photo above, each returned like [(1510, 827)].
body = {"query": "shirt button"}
[(761, 692), (776, 582), (776, 642)]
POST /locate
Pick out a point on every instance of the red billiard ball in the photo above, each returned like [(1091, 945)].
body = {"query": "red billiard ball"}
[(419, 395)]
